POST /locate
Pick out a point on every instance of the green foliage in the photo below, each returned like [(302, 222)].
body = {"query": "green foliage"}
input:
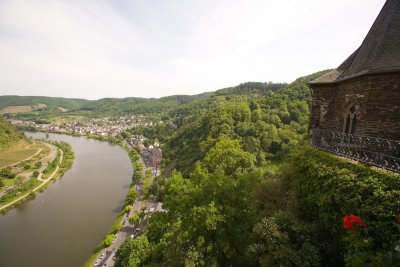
[(35, 174), (131, 196), (133, 252), (55, 102), (281, 241), (326, 188), (7, 173), (108, 240), (38, 164), (127, 208), (266, 119), (228, 156), (8, 134), (19, 188), (133, 220)]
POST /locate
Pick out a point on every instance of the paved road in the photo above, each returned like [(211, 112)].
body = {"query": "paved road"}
[(128, 230), (28, 175), (39, 186)]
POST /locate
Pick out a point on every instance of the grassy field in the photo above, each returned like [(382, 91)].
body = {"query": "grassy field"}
[(19, 152)]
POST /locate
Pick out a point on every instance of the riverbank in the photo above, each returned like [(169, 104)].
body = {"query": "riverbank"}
[(62, 162), (134, 193)]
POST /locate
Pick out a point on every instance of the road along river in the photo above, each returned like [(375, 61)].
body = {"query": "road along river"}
[(61, 226)]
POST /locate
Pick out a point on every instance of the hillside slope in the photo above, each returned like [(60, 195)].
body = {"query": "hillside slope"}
[(39, 106), (9, 135), (67, 103), (249, 191)]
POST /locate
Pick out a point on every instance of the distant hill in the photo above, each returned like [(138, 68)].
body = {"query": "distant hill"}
[(33, 106), (251, 88), (32, 101), (8, 134)]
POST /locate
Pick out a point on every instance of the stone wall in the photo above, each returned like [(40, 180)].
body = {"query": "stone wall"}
[(374, 100)]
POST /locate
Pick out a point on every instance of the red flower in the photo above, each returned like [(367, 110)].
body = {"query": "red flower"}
[(397, 219), (351, 220)]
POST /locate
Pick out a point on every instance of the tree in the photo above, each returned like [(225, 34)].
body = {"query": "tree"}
[(131, 196), (35, 174), (108, 240), (133, 252), (7, 173), (38, 164), (126, 135), (133, 220), (116, 227), (228, 156)]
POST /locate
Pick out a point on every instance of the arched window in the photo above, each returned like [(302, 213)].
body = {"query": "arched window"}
[(350, 119)]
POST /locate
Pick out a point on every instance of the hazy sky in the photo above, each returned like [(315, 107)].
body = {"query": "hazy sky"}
[(150, 48)]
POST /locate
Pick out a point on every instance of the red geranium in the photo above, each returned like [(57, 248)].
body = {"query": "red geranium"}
[(397, 218), (351, 220)]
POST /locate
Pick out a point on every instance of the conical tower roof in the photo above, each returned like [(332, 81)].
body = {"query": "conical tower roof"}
[(379, 52)]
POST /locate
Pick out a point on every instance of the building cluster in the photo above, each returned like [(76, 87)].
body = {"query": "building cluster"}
[(104, 126)]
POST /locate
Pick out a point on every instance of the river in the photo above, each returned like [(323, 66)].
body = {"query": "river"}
[(61, 226)]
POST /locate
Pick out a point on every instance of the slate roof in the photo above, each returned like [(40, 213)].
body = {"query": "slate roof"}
[(379, 52)]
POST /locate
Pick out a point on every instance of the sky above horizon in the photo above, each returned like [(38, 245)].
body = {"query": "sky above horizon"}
[(147, 48)]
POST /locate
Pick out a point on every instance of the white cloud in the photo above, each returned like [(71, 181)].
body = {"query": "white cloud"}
[(94, 49)]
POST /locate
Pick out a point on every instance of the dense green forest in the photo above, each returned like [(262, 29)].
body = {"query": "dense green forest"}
[(92, 108), (120, 106), (245, 189), (8, 134)]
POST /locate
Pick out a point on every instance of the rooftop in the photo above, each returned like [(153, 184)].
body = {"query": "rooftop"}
[(378, 53)]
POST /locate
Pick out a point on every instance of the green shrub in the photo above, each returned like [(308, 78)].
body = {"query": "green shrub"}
[(326, 188), (108, 240)]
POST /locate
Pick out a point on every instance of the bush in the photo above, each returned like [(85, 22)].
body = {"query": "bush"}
[(7, 173), (326, 188), (35, 174), (133, 220), (108, 240), (132, 195), (116, 227), (127, 208)]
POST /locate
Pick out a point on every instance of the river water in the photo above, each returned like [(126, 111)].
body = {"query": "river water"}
[(61, 226)]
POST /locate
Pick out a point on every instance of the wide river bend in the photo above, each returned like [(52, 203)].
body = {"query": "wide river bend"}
[(61, 226)]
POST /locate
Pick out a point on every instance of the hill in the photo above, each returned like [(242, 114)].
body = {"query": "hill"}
[(247, 190), (35, 101), (267, 118), (9, 135), (33, 107)]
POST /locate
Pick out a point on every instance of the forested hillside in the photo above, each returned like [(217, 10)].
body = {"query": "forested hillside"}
[(266, 119), (54, 106), (8, 134), (51, 102), (121, 106), (249, 191)]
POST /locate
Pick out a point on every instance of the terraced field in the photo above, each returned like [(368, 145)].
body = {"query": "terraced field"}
[(21, 152)]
